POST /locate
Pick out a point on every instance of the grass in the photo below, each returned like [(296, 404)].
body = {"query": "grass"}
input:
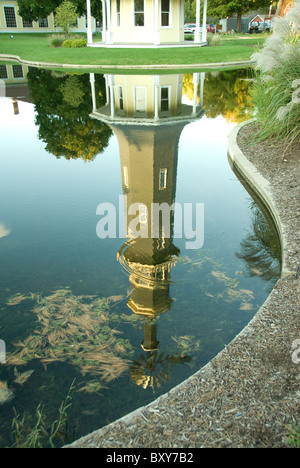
[(276, 90), (35, 47)]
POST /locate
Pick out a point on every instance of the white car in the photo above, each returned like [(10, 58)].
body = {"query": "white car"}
[(189, 28)]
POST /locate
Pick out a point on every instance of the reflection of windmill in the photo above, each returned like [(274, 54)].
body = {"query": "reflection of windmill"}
[(153, 369), (147, 116)]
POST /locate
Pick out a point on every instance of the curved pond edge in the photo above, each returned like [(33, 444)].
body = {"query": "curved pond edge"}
[(101, 67), (244, 397)]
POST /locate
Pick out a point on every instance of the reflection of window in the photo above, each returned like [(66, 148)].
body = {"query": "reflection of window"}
[(139, 14), (118, 12), (163, 179), (17, 71), (3, 72), (140, 99), (165, 12), (125, 177), (43, 23), (143, 214), (164, 99), (10, 17), (120, 97)]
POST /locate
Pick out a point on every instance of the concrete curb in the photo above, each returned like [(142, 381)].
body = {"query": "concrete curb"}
[(260, 185), (128, 67)]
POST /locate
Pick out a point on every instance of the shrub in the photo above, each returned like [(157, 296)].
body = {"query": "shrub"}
[(213, 39), (294, 438), (75, 43), (67, 43), (276, 92), (56, 40), (209, 38), (79, 43)]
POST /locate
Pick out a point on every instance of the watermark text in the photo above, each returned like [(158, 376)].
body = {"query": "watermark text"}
[(2, 352), (296, 352), (155, 221), (2, 89)]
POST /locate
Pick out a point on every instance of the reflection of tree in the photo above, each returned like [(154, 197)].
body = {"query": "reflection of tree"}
[(72, 91), (63, 103), (225, 93), (260, 249)]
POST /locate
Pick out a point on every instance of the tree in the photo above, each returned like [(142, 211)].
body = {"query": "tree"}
[(32, 10), (65, 15), (224, 8)]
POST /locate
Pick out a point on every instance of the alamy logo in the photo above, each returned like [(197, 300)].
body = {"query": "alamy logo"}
[(2, 352), (2, 89), (296, 353), (160, 220)]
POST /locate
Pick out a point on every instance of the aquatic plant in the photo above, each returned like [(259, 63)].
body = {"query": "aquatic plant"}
[(223, 288), (41, 435), (73, 329), (276, 92)]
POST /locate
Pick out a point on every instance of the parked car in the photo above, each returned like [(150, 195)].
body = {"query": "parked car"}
[(258, 27), (189, 28), (211, 28), (254, 27)]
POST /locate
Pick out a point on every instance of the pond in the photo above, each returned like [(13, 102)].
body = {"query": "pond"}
[(98, 305)]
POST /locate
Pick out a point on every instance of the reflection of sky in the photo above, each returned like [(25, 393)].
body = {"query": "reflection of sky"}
[(203, 162), (50, 204), (4, 231)]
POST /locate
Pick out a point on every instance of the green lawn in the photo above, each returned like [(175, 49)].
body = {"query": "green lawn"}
[(35, 47)]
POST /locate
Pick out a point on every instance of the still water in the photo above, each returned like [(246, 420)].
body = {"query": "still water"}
[(119, 321)]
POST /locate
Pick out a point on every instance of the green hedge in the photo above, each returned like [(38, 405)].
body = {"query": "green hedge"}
[(75, 43)]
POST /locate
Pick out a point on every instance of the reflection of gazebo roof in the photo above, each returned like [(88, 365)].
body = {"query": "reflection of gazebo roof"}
[(104, 114), (147, 100)]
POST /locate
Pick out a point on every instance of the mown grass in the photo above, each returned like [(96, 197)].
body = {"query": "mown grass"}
[(36, 47)]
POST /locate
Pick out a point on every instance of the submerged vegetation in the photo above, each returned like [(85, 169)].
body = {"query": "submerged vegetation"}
[(73, 329), (34, 432)]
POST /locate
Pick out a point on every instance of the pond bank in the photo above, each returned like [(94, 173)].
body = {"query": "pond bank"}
[(248, 394), (99, 67)]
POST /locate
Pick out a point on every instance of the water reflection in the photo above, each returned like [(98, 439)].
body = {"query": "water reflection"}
[(260, 249), (162, 145), (227, 94), (62, 104), (141, 110)]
